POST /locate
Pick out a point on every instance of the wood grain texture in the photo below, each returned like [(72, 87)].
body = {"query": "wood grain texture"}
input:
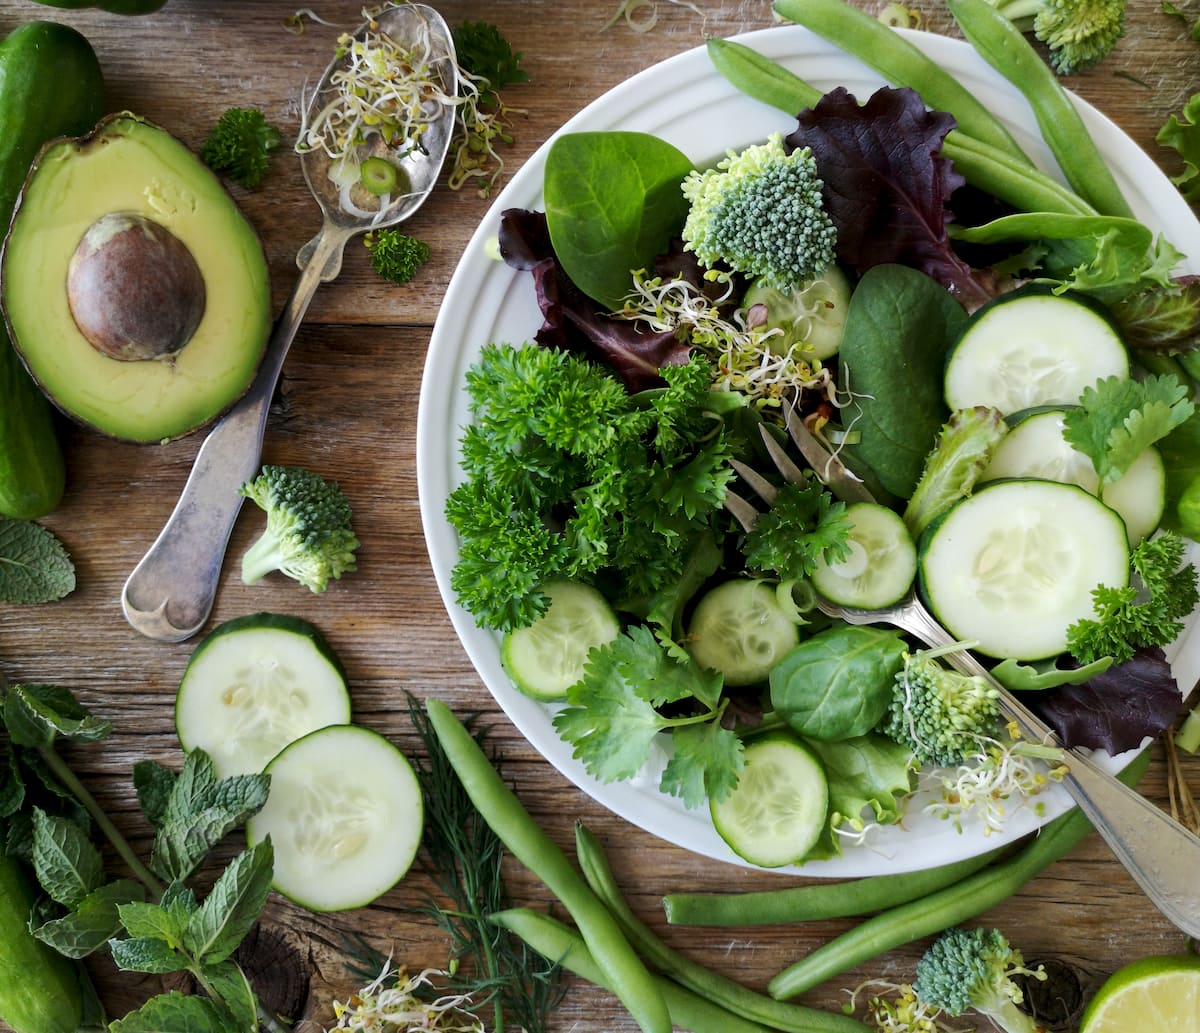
[(347, 407)]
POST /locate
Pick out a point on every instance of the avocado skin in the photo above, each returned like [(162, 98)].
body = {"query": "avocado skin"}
[(51, 84)]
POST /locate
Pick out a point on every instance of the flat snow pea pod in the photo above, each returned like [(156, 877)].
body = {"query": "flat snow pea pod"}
[(563, 945), (943, 908), (901, 63), (989, 168), (718, 989), (624, 972), (1002, 45), (817, 901)]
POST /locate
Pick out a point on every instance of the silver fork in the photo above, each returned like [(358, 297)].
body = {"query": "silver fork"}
[(1160, 854)]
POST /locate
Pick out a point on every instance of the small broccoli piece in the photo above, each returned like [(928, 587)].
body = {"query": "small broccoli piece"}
[(308, 535), (760, 212), (396, 256), (1079, 33), (240, 145), (973, 969), (941, 715)]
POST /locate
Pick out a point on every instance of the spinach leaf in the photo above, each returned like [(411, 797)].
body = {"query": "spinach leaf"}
[(899, 327), (613, 202), (1181, 458), (838, 683)]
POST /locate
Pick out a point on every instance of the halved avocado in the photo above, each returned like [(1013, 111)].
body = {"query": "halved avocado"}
[(135, 291)]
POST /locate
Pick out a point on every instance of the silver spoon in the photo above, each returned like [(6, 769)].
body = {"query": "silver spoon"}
[(170, 593)]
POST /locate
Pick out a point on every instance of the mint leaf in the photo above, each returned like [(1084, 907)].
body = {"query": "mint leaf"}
[(705, 766), (143, 920), (67, 863), (176, 1012), (93, 923), (230, 985), (35, 715), (34, 565), (153, 782), (1118, 419), (232, 907), (147, 954)]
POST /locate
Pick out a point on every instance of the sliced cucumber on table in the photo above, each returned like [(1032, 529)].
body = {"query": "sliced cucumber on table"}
[(882, 563), (777, 812), (345, 817), (1013, 566), (1035, 447), (740, 629), (255, 684), (547, 658), (1032, 347)]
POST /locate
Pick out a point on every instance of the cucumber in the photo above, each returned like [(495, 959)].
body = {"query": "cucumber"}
[(882, 563), (812, 317), (1031, 348), (1013, 566), (1035, 447), (548, 657), (345, 817), (740, 629), (51, 85), (777, 811), (256, 684)]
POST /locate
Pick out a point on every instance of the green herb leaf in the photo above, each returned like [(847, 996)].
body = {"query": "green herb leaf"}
[(232, 907), (705, 766), (230, 985), (804, 524), (147, 954), (93, 923), (35, 715), (144, 921), (179, 1013), (67, 863), (485, 53), (1182, 133), (34, 565), (153, 782), (1119, 418)]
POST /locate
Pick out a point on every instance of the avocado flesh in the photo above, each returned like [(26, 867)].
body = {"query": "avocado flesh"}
[(127, 164)]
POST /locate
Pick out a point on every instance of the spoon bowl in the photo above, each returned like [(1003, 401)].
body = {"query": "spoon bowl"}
[(170, 593)]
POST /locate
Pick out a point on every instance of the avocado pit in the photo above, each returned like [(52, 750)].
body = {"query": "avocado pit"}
[(134, 289)]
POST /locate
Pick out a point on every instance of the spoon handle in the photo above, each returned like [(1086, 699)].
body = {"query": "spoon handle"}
[(170, 593), (1158, 852)]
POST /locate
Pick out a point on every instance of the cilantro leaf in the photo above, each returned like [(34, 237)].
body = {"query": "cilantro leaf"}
[(35, 566), (1118, 419), (804, 524), (705, 766)]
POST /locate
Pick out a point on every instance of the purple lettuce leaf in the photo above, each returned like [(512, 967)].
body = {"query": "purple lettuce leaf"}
[(887, 185), (1115, 710), (574, 322)]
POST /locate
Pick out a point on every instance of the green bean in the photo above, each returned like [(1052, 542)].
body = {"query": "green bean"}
[(944, 908), (1023, 186), (901, 63), (625, 972), (1002, 45), (713, 986), (563, 945), (816, 901)]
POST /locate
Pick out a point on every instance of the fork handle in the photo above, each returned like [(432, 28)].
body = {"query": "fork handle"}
[(1159, 853)]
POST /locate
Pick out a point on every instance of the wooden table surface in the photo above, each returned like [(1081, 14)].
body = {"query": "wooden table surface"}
[(347, 407)]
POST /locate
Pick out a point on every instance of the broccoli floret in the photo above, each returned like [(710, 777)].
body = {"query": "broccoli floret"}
[(973, 969), (760, 212), (939, 714), (240, 145), (308, 535), (396, 256), (1079, 33)]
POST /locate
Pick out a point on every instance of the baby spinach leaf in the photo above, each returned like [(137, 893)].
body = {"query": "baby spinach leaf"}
[(899, 327), (837, 684), (613, 202)]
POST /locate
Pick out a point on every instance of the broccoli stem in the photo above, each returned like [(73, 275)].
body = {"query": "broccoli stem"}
[(264, 556)]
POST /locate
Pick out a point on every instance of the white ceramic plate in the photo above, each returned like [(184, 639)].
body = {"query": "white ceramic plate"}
[(683, 100)]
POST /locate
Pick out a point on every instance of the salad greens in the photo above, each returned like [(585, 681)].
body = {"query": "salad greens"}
[(604, 448)]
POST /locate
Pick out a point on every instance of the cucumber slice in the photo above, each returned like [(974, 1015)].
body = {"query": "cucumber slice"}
[(1035, 447), (547, 658), (1013, 566), (1031, 348), (777, 811), (812, 316), (345, 817), (255, 684), (740, 629), (882, 562)]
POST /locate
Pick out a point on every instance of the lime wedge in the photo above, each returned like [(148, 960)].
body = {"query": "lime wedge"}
[(1155, 993)]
